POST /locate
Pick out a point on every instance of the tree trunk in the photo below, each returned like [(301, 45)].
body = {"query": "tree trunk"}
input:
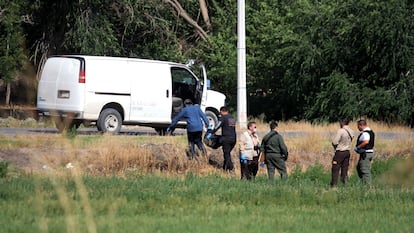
[(204, 12), (177, 6), (8, 93)]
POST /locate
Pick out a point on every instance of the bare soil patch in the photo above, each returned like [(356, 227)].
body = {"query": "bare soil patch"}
[(160, 157)]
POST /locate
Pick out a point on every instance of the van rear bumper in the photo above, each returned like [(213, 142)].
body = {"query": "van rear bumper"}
[(60, 113)]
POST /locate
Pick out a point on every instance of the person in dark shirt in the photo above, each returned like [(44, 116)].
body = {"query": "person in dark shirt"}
[(228, 137), (276, 153)]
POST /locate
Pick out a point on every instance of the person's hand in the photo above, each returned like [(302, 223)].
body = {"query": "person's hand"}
[(359, 151), (356, 149), (262, 164), (208, 136), (243, 159)]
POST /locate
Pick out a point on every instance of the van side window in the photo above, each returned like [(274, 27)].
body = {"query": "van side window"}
[(184, 84)]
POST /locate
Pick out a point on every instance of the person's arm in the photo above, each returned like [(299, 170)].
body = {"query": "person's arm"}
[(336, 139), (177, 118), (262, 145), (218, 126), (204, 118), (283, 147), (242, 144), (365, 140)]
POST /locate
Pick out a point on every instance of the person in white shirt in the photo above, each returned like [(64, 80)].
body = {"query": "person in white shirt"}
[(365, 148), (249, 149)]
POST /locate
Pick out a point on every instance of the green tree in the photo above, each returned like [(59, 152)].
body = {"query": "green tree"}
[(301, 55), (12, 47), (338, 98), (90, 29), (298, 47)]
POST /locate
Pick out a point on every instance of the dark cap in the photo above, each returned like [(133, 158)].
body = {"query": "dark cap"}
[(188, 102)]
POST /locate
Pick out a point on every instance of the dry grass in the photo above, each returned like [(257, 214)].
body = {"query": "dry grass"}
[(103, 154), (123, 155), (310, 144)]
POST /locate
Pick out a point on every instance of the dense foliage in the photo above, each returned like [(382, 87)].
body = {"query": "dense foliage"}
[(313, 60)]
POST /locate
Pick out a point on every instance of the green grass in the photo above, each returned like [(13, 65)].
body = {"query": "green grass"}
[(214, 203)]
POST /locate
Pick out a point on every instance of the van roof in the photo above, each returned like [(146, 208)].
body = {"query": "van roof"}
[(87, 57)]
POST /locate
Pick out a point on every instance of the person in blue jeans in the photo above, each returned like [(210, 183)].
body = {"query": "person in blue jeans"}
[(194, 118)]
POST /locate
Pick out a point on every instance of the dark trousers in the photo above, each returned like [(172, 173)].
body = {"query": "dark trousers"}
[(276, 161), (249, 170), (228, 145), (340, 162), (195, 138), (364, 167)]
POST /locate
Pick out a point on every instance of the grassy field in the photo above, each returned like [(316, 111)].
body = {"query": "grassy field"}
[(213, 203), (145, 184)]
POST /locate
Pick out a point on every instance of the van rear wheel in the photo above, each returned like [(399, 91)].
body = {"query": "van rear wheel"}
[(161, 131), (109, 121)]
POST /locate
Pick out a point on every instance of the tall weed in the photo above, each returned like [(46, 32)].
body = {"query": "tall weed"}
[(4, 166)]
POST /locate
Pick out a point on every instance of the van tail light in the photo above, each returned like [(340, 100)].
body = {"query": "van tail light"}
[(82, 77)]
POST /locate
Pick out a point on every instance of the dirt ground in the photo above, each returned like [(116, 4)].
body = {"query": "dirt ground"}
[(164, 158), (30, 160), (38, 161)]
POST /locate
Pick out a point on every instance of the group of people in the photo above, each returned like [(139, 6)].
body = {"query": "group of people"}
[(364, 147), (272, 151)]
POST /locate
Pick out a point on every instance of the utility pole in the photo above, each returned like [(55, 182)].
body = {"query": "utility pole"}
[(241, 64)]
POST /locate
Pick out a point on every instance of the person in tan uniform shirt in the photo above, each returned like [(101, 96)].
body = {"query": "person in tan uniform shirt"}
[(249, 148), (342, 145)]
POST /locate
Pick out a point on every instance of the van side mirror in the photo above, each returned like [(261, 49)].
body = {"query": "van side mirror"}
[(190, 62)]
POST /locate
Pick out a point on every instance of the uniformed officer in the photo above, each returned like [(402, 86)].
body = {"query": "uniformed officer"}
[(365, 148), (275, 151)]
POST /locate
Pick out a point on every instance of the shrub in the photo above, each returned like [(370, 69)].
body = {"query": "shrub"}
[(3, 168), (315, 173), (380, 166)]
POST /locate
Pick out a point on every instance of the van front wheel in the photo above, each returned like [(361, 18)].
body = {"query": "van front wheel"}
[(109, 121), (212, 119)]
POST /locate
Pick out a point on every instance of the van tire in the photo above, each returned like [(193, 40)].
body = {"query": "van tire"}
[(109, 121), (161, 131), (212, 119)]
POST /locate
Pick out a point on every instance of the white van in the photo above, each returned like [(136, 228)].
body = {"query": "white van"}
[(112, 91)]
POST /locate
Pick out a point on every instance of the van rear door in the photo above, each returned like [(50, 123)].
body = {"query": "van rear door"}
[(60, 86), (150, 92)]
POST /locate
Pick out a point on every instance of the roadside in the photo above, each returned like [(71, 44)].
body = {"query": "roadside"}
[(20, 112)]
